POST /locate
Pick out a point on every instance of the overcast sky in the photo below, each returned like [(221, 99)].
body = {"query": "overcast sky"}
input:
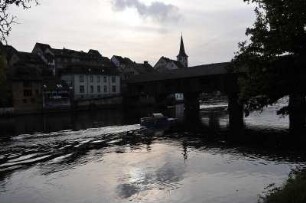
[(139, 29)]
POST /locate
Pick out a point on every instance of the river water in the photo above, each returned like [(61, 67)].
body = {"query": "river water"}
[(105, 156)]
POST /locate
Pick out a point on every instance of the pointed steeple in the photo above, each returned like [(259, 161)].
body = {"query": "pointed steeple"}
[(182, 57), (182, 48)]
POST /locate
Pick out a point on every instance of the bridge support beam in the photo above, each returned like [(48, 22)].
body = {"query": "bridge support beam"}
[(235, 110)]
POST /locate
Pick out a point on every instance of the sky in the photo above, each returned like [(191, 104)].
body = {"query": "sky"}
[(143, 30)]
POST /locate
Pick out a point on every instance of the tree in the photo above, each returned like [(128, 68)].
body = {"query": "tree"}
[(274, 57), (6, 19)]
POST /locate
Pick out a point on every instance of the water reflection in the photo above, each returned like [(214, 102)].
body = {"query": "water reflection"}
[(53, 122), (104, 156)]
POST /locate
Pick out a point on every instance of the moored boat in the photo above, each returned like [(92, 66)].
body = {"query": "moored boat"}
[(157, 120)]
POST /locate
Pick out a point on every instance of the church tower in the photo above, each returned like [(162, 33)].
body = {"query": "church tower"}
[(182, 56)]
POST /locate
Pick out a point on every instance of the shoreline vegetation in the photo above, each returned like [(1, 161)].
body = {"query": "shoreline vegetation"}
[(293, 190)]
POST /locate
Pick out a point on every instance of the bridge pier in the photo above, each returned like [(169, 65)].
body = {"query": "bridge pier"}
[(235, 110), (192, 107), (297, 107), (191, 102)]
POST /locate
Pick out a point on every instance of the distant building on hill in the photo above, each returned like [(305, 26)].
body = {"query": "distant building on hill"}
[(166, 64)]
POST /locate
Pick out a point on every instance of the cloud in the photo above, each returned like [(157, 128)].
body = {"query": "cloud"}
[(158, 11)]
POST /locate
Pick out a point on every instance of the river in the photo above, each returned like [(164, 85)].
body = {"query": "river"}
[(105, 156)]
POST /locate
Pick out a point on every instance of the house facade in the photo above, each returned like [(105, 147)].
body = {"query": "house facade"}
[(166, 64), (92, 82)]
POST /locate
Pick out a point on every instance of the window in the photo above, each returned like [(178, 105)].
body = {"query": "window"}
[(105, 79), (91, 78), (24, 101), (99, 89), (33, 100), (98, 79), (114, 89), (81, 78), (27, 93), (113, 79), (91, 89), (37, 91), (105, 89), (82, 89)]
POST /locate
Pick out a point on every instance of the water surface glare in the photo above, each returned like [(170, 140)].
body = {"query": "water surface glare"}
[(155, 170)]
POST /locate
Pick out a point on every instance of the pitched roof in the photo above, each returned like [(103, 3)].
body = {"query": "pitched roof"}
[(196, 71), (177, 63), (42, 46), (94, 52), (123, 60), (9, 51), (69, 53), (143, 68), (29, 58)]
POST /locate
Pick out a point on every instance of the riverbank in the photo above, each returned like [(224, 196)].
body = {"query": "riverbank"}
[(293, 190)]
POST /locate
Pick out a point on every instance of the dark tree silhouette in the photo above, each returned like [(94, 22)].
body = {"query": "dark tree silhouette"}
[(6, 19), (274, 57)]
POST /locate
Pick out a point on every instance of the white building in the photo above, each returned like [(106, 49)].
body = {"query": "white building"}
[(92, 82)]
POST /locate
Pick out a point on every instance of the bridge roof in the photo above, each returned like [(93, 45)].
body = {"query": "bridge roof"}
[(191, 72)]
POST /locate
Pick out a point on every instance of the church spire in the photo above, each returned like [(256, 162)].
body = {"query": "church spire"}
[(182, 56), (182, 48)]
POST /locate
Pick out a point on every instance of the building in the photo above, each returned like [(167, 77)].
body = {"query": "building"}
[(25, 75), (56, 94), (33, 85), (58, 59), (182, 57), (88, 75), (165, 64), (127, 68), (91, 82)]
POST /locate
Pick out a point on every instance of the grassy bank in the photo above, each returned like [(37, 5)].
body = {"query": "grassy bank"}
[(294, 190)]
